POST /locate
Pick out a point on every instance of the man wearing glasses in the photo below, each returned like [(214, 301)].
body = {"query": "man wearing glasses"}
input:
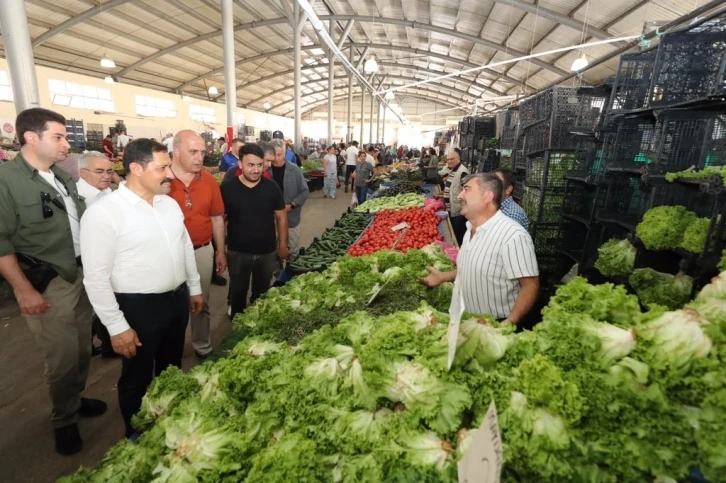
[(40, 211), (96, 176)]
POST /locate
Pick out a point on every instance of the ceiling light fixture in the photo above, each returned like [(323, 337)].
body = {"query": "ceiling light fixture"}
[(267, 106), (213, 91), (108, 63), (108, 79), (390, 96), (186, 98), (579, 63), (370, 66)]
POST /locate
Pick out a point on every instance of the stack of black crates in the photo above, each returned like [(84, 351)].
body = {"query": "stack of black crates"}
[(474, 132), (665, 113)]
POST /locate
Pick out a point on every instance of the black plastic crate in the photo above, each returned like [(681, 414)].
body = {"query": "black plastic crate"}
[(520, 160), (587, 165), (556, 103), (485, 127), (633, 145), (583, 201), (576, 242), (488, 161), (691, 138), (628, 198), (545, 237), (506, 160), (550, 134), (550, 170), (591, 108), (511, 117), (690, 63), (542, 206), (508, 140), (631, 88)]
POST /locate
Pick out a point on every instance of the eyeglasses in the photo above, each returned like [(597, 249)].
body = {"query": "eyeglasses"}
[(45, 198), (101, 172)]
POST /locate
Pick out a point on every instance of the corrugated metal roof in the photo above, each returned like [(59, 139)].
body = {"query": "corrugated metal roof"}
[(137, 29)]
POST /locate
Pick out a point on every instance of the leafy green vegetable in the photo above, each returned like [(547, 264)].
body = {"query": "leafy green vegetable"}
[(672, 291), (694, 238), (616, 258), (663, 227)]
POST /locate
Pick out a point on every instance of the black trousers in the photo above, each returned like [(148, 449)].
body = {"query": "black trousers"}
[(458, 223), (349, 170), (160, 321), (246, 266)]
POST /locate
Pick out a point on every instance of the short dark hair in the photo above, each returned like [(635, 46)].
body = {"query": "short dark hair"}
[(488, 182), (507, 177), (458, 151), (141, 151), (371, 149), (361, 152), (36, 120), (251, 148), (354, 143), (220, 139)]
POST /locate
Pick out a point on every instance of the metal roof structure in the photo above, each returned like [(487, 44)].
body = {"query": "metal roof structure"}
[(176, 45)]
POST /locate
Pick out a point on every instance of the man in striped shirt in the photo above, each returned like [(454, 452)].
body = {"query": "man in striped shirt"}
[(509, 206), (497, 270)]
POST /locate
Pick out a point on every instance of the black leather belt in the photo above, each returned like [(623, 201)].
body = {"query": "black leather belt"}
[(202, 245)]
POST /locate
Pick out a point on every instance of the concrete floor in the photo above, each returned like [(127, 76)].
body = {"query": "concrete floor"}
[(26, 439)]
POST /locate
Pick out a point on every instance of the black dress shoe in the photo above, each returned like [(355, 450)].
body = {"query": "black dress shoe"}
[(92, 407), (95, 350), (219, 280), (67, 440)]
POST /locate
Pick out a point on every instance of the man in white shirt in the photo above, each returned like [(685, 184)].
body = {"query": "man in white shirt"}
[(169, 142), (143, 279), (370, 159), (96, 176), (351, 159), (497, 271), (123, 140)]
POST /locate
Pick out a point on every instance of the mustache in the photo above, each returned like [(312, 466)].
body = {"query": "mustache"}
[(166, 180)]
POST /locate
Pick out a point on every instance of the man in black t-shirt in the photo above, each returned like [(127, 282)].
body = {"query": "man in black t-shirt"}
[(254, 205)]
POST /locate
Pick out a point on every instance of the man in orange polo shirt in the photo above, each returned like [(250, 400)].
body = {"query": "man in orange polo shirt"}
[(200, 199)]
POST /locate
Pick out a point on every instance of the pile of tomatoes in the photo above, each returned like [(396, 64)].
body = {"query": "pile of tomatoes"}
[(422, 230)]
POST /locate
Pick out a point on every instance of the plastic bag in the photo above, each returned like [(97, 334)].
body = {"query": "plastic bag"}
[(434, 204), (354, 200)]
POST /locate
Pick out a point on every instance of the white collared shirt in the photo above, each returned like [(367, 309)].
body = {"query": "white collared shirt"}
[(490, 264), (90, 193), (129, 246)]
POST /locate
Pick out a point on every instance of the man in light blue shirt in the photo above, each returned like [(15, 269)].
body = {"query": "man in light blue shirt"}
[(510, 207)]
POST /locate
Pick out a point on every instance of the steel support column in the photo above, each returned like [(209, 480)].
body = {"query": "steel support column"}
[(378, 124), (331, 82), (19, 54), (362, 115), (230, 83), (370, 127), (350, 101), (298, 61), (383, 133)]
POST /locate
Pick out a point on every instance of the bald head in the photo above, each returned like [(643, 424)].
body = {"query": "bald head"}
[(453, 160), (189, 151)]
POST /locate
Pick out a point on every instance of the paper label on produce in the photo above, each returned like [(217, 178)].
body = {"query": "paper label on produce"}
[(456, 310), (400, 226), (482, 462)]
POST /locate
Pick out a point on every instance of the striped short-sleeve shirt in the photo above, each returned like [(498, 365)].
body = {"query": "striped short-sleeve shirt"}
[(490, 264)]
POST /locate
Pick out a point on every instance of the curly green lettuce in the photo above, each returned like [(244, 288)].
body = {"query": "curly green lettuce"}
[(695, 236), (672, 291), (616, 258), (663, 227)]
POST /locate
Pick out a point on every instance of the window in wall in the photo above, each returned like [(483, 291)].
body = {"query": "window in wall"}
[(202, 113), (154, 107), (6, 93), (80, 96)]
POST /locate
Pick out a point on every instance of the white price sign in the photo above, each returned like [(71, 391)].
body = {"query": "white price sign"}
[(482, 463)]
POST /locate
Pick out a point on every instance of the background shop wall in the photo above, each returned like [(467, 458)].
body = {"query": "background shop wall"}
[(125, 106)]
